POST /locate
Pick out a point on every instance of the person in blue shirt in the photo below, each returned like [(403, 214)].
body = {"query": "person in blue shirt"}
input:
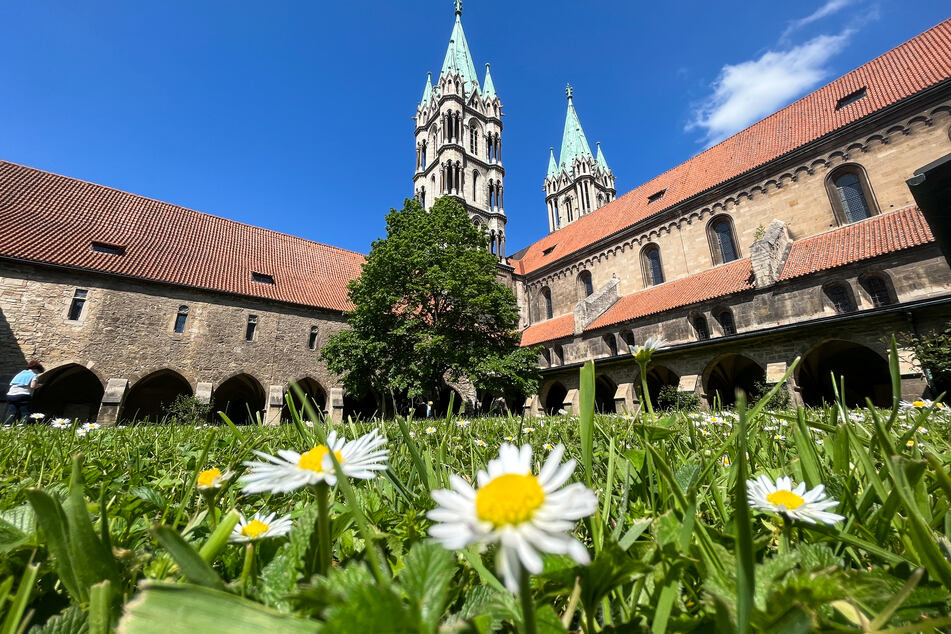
[(20, 394)]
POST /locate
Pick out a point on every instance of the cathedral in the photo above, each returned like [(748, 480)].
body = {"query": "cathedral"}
[(801, 243)]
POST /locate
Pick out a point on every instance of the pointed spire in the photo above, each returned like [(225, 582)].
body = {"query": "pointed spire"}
[(602, 162), (552, 165), (458, 58), (427, 89), (573, 142), (488, 86)]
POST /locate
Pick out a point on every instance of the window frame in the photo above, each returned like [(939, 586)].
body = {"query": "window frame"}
[(696, 320), (887, 285), (181, 320), (719, 314), (849, 296), (251, 328), (77, 304), (312, 338), (584, 284), (832, 190), (716, 252), (646, 271)]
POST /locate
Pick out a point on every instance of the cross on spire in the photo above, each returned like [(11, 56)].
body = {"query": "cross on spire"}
[(458, 5)]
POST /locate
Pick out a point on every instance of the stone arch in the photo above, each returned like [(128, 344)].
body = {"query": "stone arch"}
[(71, 391), (153, 393), (240, 397), (314, 394), (728, 372), (441, 406), (864, 370), (658, 377), (604, 391), (362, 406), (555, 397)]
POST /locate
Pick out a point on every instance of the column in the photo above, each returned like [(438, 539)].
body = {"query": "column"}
[(335, 405), (112, 399), (275, 403)]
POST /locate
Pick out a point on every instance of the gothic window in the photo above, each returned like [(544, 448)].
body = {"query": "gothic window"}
[(585, 286), (312, 338), (877, 289), (76, 305), (251, 327), (557, 214), (840, 297), (475, 186), (181, 318), (422, 197), (546, 303), (422, 156), (570, 208), (651, 266), (600, 201), (725, 317), (851, 194), (722, 240), (700, 325)]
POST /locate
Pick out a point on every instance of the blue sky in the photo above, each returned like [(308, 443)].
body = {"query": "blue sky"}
[(296, 116)]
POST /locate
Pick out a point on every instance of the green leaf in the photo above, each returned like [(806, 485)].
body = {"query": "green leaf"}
[(100, 612), (70, 621), (281, 574), (51, 519), (195, 569), (547, 621), (11, 624), (425, 579), (17, 526), (92, 560), (745, 575), (586, 418), (219, 538), (150, 495), (200, 609)]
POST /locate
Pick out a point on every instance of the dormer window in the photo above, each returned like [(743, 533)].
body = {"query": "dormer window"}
[(111, 249), (549, 249), (262, 278), (851, 98), (653, 198)]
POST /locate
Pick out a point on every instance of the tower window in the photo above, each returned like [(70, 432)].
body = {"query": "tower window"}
[(700, 325), (76, 305), (840, 298), (651, 266), (312, 338), (851, 194), (181, 318), (851, 98), (111, 249), (262, 278), (252, 326)]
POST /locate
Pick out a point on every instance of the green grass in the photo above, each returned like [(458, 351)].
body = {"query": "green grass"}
[(123, 532)]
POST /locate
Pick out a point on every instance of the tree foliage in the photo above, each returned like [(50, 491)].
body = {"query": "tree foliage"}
[(934, 353), (427, 307)]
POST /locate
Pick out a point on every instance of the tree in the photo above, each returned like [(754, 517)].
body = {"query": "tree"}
[(427, 307)]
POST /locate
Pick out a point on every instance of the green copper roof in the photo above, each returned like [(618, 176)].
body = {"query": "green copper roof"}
[(488, 86), (458, 57), (573, 142), (552, 165), (603, 162), (427, 89)]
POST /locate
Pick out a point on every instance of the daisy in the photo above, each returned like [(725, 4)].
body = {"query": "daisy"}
[(642, 354), (778, 437), (430, 430), (260, 527), (81, 431), (462, 423), (309, 423), (549, 446), (509, 438), (60, 423), (527, 430), (290, 470), (793, 502), (92, 426), (526, 515), (922, 430), (37, 416), (480, 443), (910, 444), (212, 478)]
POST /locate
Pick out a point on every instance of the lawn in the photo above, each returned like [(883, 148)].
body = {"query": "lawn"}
[(104, 529)]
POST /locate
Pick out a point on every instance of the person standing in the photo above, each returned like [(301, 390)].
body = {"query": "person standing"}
[(20, 394)]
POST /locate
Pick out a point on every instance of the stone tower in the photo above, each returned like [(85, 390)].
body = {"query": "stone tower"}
[(459, 140), (579, 182)]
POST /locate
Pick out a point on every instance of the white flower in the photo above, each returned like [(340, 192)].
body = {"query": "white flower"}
[(820, 442), (81, 431), (290, 470), (794, 502), (309, 423), (509, 438), (525, 514), (642, 354), (549, 446), (922, 430), (480, 443), (527, 430), (260, 527), (37, 416), (778, 437), (213, 478), (430, 430), (60, 423), (91, 426), (462, 423)]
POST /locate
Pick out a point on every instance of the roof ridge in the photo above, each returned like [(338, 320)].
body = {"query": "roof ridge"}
[(182, 207)]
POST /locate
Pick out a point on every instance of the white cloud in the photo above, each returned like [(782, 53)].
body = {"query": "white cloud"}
[(748, 91), (830, 7)]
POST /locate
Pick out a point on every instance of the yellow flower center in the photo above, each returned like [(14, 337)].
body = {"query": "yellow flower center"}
[(314, 459), (207, 477), (509, 499), (919, 403), (254, 528), (785, 498)]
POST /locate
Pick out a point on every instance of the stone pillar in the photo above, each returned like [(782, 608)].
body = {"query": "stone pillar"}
[(112, 401), (335, 405), (914, 385), (572, 403), (203, 393), (625, 399), (275, 403), (533, 407), (692, 383), (774, 374)]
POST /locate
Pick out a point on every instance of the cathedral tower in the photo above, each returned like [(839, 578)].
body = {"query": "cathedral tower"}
[(579, 182), (459, 140)]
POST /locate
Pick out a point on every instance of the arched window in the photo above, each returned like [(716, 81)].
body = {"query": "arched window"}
[(725, 317), (651, 267), (840, 297), (570, 208), (585, 286), (700, 325), (545, 303), (878, 290), (181, 318), (851, 194), (475, 186), (722, 240)]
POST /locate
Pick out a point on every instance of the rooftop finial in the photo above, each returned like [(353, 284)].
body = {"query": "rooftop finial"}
[(569, 91), (458, 5)]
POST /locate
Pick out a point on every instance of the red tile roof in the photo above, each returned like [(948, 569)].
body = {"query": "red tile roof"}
[(716, 282), (917, 64), (876, 236), (547, 330), (54, 219)]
